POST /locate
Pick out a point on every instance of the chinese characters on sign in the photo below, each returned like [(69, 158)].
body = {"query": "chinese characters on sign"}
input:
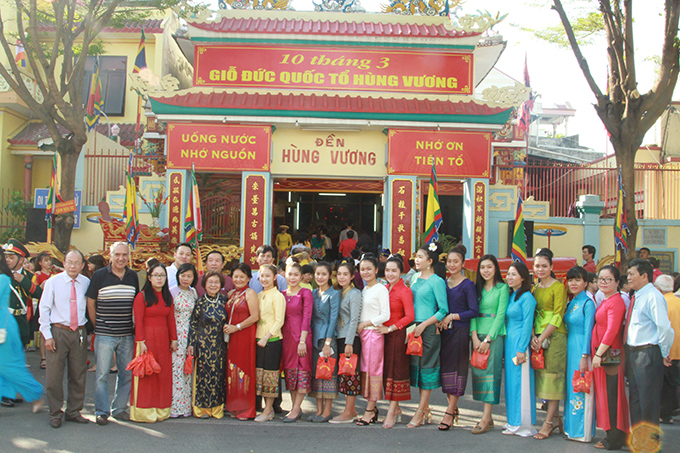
[(478, 220), (219, 147), (402, 211), (175, 208), (455, 153), (384, 70), (253, 216)]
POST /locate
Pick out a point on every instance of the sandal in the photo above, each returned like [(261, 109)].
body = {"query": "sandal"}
[(559, 427), (43, 364), (600, 446), (373, 419), (446, 426), (479, 429)]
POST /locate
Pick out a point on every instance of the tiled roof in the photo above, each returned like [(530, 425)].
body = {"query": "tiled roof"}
[(33, 132), (149, 25), (326, 103), (327, 27)]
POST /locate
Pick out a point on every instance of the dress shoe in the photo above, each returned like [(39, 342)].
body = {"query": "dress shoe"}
[(122, 417), (18, 400), (7, 402), (102, 420), (55, 423), (265, 417), (78, 419)]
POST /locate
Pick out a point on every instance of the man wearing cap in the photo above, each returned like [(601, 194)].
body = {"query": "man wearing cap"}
[(62, 323), (24, 288)]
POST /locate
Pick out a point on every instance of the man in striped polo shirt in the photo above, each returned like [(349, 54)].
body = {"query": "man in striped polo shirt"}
[(109, 303)]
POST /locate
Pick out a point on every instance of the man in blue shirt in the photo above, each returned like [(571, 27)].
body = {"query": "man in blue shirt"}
[(265, 255), (648, 338)]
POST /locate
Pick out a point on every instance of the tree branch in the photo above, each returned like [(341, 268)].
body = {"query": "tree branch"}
[(629, 49)]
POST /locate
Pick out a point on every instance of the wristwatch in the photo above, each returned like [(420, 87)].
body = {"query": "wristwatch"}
[(486, 340), (328, 342)]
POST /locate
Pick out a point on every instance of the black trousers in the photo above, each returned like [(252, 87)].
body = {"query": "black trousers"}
[(645, 370), (669, 392), (615, 438)]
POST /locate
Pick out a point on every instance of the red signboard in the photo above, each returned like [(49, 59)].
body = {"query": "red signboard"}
[(219, 147), (478, 221), (253, 217), (291, 67), (402, 213), (64, 207), (175, 208), (455, 153)]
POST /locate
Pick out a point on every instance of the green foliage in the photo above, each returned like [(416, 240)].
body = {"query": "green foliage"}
[(16, 207), (446, 241), (586, 28)]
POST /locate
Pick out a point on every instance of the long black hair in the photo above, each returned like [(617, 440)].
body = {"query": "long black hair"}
[(523, 272), (150, 294), (4, 267), (497, 276)]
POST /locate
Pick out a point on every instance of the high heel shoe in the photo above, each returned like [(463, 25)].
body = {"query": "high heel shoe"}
[(373, 419), (397, 419), (427, 418), (446, 426), (559, 426)]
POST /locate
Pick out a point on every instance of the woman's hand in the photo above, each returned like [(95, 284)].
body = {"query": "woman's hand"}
[(535, 343), (229, 329), (382, 330), (262, 343), (597, 362), (583, 365), (349, 350), (190, 350), (142, 348), (521, 358), (363, 325), (418, 331), (326, 351), (173, 345), (302, 349), (483, 347)]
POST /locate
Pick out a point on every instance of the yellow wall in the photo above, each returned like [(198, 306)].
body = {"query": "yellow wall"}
[(568, 245), (11, 167)]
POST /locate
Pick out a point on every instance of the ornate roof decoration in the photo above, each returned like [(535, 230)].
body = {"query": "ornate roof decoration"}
[(254, 4), (510, 96), (146, 83), (421, 7), (345, 6), (477, 23)]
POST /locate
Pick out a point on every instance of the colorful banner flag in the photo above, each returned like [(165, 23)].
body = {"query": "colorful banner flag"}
[(20, 55), (527, 106), (519, 243), (140, 61), (621, 230), (53, 195), (193, 224), (94, 100), (130, 212), (433, 214)]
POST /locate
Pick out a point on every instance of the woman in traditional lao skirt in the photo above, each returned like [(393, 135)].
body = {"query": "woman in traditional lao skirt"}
[(430, 307), (550, 334), (297, 342), (155, 333), (206, 344), (243, 312), (520, 401), (455, 333), (348, 340), (184, 299), (487, 332), (608, 367), (396, 367), (375, 310), (579, 410)]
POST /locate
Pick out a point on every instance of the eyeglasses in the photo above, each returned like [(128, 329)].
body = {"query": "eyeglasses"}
[(158, 275), (606, 281), (72, 263)]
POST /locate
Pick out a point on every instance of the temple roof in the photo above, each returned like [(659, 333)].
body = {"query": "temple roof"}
[(32, 133)]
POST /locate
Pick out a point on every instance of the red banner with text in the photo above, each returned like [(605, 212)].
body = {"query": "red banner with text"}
[(478, 222), (402, 213), (455, 153), (219, 147), (175, 208), (253, 215), (292, 67)]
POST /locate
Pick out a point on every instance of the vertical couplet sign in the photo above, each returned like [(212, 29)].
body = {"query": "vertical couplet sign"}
[(478, 223), (402, 212), (253, 215), (175, 208)]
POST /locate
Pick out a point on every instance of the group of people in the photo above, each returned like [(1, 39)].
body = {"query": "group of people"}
[(221, 342)]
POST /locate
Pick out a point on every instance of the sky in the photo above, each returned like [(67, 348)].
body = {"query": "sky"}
[(554, 72)]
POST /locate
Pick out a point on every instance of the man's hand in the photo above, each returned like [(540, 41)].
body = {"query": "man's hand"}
[(50, 345)]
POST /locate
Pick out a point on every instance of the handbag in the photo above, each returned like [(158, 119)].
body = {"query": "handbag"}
[(537, 360), (415, 345), (189, 364), (582, 382), (611, 357), (347, 367), (479, 360), (325, 367)]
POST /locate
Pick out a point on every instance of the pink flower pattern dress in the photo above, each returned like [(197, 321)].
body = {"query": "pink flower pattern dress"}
[(184, 302)]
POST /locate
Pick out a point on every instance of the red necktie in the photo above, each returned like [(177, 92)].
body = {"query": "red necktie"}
[(628, 316), (74, 306)]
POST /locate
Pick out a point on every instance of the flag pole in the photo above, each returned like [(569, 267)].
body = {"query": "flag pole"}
[(199, 259)]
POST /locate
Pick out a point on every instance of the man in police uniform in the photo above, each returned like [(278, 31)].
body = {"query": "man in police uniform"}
[(23, 289)]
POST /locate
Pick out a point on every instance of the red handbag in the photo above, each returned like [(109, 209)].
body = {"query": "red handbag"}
[(582, 382), (347, 366), (189, 364), (325, 367), (415, 345), (479, 360), (537, 360)]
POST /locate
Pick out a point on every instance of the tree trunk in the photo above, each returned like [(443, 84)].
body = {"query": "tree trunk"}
[(625, 158), (63, 223)]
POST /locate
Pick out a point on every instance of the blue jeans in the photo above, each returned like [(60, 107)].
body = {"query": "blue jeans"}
[(124, 348)]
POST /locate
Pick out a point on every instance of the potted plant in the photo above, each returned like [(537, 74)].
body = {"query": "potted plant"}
[(155, 205)]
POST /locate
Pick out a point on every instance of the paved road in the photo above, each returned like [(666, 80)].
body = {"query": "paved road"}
[(22, 431)]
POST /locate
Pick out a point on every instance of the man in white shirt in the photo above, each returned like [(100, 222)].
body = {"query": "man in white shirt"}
[(183, 254), (63, 306)]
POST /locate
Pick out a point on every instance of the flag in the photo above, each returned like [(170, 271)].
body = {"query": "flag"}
[(53, 195), (94, 101), (519, 244), (20, 55), (193, 225), (130, 212), (527, 106), (433, 215), (621, 230), (140, 61)]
